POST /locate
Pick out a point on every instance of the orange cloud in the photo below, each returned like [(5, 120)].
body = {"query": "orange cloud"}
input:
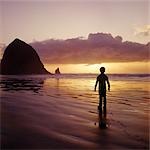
[(97, 48), (143, 31)]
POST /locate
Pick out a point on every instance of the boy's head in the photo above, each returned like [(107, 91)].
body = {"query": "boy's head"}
[(102, 69)]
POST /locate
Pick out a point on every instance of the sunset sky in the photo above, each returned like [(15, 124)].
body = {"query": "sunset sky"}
[(64, 27)]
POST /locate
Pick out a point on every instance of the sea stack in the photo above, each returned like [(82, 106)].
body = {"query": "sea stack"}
[(21, 58), (57, 71)]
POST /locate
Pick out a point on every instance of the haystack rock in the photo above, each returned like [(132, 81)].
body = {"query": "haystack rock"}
[(21, 58), (57, 71)]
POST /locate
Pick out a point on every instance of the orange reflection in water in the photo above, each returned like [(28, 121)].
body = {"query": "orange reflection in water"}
[(127, 93)]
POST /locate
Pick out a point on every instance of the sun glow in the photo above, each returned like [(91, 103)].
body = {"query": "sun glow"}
[(128, 67)]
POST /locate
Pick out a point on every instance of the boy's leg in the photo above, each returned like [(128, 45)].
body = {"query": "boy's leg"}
[(105, 105), (100, 103)]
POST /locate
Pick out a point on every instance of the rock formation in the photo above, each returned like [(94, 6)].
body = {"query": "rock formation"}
[(21, 58), (57, 71)]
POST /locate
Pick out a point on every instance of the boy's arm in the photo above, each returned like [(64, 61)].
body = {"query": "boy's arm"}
[(95, 85), (108, 84)]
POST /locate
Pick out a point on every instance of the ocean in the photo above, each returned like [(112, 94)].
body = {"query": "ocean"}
[(60, 112)]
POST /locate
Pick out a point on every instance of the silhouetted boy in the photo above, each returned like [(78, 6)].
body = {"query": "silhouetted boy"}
[(102, 79)]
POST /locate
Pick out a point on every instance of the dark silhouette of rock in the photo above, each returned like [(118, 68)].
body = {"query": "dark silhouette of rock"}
[(21, 58), (57, 71)]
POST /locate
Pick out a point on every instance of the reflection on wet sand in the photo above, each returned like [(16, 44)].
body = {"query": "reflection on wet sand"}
[(14, 84), (102, 119), (41, 112)]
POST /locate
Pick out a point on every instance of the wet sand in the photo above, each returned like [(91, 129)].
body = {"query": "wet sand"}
[(49, 113)]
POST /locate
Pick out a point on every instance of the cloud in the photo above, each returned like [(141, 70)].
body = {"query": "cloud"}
[(142, 31), (97, 48)]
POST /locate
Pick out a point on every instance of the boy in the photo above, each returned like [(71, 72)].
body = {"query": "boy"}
[(102, 79)]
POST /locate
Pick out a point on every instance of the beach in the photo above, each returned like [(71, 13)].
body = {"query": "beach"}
[(60, 112)]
